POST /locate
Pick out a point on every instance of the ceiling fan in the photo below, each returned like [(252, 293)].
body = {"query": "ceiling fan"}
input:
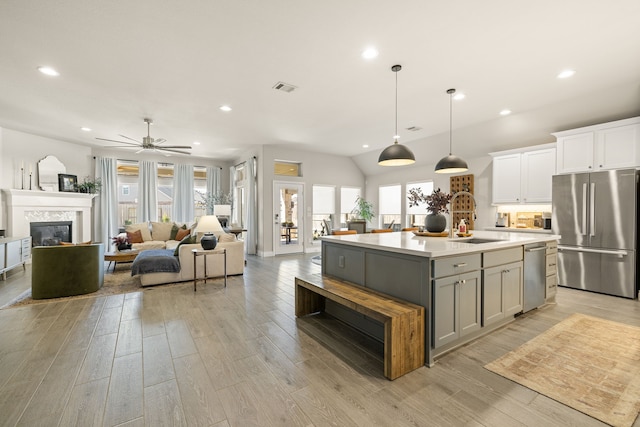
[(148, 143)]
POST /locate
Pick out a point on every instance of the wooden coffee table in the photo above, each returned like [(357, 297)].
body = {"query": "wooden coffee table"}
[(122, 256)]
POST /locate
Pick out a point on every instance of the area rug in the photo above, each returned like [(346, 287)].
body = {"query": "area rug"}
[(587, 363), (115, 282)]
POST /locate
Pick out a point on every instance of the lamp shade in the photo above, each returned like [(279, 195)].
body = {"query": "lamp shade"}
[(222, 210), (396, 155), (208, 224), (451, 164)]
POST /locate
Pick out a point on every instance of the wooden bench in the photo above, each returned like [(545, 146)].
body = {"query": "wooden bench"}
[(403, 322)]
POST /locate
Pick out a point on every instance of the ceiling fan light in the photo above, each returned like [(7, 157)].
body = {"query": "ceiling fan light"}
[(451, 164), (396, 155)]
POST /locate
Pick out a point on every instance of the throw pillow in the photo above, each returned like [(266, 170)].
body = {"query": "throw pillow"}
[(144, 229), (174, 231), (161, 230), (181, 233), (135, 236), (185, 241)]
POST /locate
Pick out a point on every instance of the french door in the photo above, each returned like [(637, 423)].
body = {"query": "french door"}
[(288, 214)]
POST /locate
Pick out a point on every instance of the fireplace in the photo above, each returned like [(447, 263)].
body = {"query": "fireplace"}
[(50, 233)]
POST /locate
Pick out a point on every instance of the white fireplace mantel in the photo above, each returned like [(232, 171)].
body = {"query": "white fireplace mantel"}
[(25, 205)]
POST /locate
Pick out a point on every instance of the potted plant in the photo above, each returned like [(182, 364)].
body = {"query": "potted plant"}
[(90, 186), (361, 213), (121, 242), (436, 203)]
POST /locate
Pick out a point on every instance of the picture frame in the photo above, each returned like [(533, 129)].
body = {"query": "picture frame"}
[(68, 183)]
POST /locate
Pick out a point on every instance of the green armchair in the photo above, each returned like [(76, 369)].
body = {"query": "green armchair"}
[(62, 271)]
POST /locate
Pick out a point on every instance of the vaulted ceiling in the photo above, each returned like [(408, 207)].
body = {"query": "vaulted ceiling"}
[(178, 62)]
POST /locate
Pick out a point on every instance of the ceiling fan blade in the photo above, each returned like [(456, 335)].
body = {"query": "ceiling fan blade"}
[(119, 142), (140, 151), (159, 141), (173, 151), (175, 146), (125, 136), (122, 146)]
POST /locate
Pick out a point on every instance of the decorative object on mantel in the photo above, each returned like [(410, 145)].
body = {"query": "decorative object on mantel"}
[(462, 207), (436, 203), (48, 170), (208, 224), (451, 163), (67, 183), (396, 154), (90, 186)]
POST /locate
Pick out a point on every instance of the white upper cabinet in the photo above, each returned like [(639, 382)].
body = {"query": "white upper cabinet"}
[(613, 145), (524, 175)]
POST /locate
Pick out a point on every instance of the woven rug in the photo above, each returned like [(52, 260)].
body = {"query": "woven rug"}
[(587, 363), (115, 282)]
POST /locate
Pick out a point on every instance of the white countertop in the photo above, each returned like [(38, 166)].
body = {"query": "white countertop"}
[(408, 243), (519, 230)]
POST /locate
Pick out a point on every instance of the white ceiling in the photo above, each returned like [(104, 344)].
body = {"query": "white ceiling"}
[(177, 62)]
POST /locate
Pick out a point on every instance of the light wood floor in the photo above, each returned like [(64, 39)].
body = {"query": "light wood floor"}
[(239, 357)]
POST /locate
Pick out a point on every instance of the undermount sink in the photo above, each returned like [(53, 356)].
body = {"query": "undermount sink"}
[(477, 240)]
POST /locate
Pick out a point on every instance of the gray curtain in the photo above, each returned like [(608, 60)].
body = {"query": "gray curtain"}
[(106, 222), (251, 242), (183, 193), (147, 191), (213, 184)]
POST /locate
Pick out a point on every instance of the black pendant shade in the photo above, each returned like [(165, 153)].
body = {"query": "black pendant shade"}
[(451, 163), (396, 154)]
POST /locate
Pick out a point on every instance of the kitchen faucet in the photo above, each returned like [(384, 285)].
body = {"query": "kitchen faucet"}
[(475, 206)]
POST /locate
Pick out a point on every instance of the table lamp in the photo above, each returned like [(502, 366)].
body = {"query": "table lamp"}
[(208, 224)]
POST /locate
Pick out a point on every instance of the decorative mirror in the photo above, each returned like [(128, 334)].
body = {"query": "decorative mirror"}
[(48, 170)]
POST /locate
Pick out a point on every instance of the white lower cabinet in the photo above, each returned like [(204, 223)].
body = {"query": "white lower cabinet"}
[(13, 253)]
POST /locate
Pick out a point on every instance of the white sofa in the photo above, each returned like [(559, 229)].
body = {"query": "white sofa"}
[(156, 235)]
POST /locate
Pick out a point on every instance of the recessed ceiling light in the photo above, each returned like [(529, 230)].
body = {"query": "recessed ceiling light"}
[(566, 73), (48, 71), (370, 53), (505, 112), (196, 143), (225, 108), (86, 129), (458, 96), (365, 146)]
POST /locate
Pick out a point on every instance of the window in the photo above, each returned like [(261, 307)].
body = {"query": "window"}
[(324, 206), (128, 191), (390, 206), (416, 215), (164, 193), (199, 190), (281, 167), (348, 197)]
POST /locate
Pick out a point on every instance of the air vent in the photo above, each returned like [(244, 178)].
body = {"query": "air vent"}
[(414, 128), (285, 87)]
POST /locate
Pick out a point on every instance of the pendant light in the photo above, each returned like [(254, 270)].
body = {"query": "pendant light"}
[(451, 163), (396, 154)]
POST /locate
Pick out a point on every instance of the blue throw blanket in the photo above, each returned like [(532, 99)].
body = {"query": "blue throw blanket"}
[(155, 261)]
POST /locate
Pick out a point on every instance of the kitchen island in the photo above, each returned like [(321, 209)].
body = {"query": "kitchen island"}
[(468, 286)]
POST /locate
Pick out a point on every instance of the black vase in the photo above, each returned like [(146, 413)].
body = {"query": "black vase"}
[(124, 246), (436, 223), (208, 241)]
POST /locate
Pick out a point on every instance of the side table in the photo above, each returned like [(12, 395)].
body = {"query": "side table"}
[(122, 256), (203, 253)]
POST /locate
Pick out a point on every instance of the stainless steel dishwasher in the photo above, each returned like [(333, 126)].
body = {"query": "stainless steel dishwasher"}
[(534, 276)]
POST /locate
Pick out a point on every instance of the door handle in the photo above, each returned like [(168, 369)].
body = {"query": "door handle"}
[(592, 210), (541, 248), (462, 264), (583, 229)]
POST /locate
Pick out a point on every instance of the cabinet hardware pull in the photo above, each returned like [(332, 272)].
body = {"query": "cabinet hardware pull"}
[(463, 281), (462, 264)]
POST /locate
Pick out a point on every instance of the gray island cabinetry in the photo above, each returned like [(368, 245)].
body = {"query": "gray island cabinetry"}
[(468, 288)]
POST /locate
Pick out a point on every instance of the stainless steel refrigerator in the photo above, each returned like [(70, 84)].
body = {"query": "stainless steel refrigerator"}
[(596, 215)]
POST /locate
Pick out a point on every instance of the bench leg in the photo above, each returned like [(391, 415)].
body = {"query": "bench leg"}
[(308, 302), (403, 344)]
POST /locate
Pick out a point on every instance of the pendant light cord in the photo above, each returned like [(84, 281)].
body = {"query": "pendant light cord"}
[(396, 134), (451, 120)]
